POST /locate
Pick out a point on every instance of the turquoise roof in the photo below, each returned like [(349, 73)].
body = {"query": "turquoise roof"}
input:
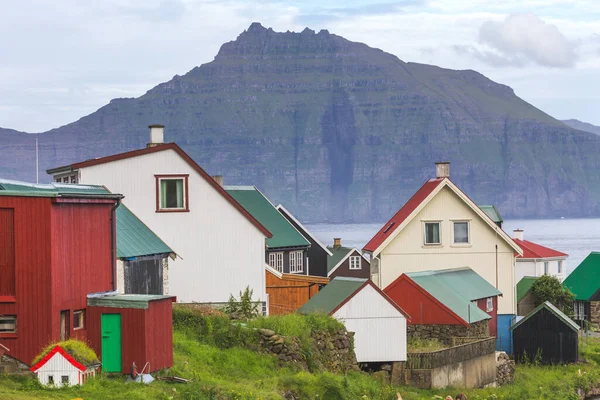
[(457, 289), (332, 295), (550, 307), (284, 233), (134, 238), (492, 212), (125, 300), (337, 255)]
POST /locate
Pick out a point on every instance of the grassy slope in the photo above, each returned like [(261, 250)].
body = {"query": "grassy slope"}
[(237, 373)]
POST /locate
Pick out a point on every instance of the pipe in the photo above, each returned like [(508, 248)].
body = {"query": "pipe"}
[(113, 241)]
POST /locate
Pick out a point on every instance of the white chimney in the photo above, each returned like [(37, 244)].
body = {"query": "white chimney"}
[(442, 169), (518, 234), (157, 135)]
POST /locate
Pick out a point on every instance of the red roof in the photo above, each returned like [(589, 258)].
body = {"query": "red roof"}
[(67, 356), (188, 159), (410, 206), (533, 250)]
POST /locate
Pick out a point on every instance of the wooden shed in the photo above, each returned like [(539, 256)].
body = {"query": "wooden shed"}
[(548, 331), (289, 292)]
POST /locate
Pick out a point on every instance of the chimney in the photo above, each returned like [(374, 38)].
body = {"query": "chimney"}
[(157, 135), (518, 234), (442, 169), (218, 179), (337, 242)]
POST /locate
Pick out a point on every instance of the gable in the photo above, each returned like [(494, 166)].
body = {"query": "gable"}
[(367, 303), (302, 229)]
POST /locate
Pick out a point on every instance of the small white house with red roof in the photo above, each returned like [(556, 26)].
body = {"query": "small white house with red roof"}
[(538, 260), (59, 368)]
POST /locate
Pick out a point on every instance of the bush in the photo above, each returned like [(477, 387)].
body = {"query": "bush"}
[(77, 349), (244, 308), (549, 288)]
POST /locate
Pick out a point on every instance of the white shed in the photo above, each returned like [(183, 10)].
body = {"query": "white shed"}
[(59, 368), (379, 324)]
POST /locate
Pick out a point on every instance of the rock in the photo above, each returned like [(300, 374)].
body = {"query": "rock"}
[(266, 332), (277, 348), (279, 340)]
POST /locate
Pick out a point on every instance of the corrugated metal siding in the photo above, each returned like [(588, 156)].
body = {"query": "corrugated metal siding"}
[(32, 273), (209, 270), (380, 329), (7, 252)]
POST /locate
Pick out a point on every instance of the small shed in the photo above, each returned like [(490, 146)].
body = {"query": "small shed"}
[(546, 331), (289, 292), (379, 324), (59, 368)]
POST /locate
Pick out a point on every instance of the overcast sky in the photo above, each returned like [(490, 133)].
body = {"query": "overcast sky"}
[(63, 59)]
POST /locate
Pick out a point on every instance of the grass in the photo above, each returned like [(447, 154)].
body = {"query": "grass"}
[(223, 370), (424, 345), (79, 350)]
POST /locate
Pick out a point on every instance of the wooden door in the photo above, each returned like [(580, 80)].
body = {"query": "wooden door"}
[(65, 326)]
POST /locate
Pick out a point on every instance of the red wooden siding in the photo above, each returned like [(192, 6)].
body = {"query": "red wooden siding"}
[(146, 335), (493, 323), (7, 252)]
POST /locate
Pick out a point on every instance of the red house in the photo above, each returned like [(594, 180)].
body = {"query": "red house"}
[(450, 297), (58, 246)]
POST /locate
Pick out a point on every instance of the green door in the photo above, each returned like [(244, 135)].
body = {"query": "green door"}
[(111, 342)]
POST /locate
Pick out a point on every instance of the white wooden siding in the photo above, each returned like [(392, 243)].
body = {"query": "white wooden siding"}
[(379, 328), (221, 251), (57, 366), (407, 252), (528, 267)]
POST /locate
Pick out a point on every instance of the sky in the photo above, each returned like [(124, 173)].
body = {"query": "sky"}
[(64, 59)]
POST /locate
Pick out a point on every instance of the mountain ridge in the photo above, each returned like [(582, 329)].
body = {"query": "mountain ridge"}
[(582, 126), (338, 131)]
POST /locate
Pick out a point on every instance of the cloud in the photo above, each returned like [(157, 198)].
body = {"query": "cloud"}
[(522, 38), (489, 57)]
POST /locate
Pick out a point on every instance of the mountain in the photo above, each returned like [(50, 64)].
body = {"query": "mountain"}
[(582, 126), (338, 131)]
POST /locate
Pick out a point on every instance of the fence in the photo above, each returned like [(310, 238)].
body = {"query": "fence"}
[(459, 341), (454, 354)]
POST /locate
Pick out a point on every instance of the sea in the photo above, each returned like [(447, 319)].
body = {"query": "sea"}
[(576, 237)]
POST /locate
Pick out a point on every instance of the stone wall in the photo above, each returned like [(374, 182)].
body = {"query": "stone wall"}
[(505, 369), (330, 351), (445, 333), (595, 312)]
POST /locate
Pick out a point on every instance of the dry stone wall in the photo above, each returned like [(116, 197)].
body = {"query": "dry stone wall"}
[(445, 333)]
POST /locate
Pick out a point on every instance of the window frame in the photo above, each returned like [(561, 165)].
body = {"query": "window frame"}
[(355, 258), (296, 259), (425, 223), (64, 380), (559, 266), (546, 268), (82, 319), (461, 221), (8, 332), (186, 202), (277, 260), (489, 304)]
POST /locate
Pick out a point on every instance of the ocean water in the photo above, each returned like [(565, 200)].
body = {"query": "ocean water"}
[(576, 237)]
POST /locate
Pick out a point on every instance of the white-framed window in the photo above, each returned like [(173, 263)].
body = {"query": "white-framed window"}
[(355, 262), (8, 324), (579, 310), (432, 233), (296, 262), (560, 266), (461, 232), (489, 304), (171, 193), (276, 261), (78, 319), (545, 267)]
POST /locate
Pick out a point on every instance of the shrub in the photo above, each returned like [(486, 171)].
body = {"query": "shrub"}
[(77, 349), (244, 308), (549, 288)]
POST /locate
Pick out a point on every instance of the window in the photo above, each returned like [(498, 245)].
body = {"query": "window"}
[(355, 262), (432, 233), (64, 379), (461, 232), (172, 193), (296, 258), (73, 179), (79, 319), (50, 379), (8, 324), (560, 266), (276, 261), (546, 268), (489, 306), (579, 310)]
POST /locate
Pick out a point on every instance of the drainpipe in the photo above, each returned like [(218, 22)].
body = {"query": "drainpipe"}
[(113, 242)]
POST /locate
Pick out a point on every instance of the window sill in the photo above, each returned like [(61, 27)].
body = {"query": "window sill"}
[(461, 245), (8, 299), (432, 246), (354, 269), (172, 211), (8, 336)]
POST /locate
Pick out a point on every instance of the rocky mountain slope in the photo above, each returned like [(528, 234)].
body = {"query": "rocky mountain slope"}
[(582, 126), (339, 131)]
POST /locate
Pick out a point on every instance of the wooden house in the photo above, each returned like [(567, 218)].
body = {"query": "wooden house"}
[(526, 300), (287, 249), (538, 260), (188, 208), (444, 304), (584, 282), (59, 244), (440, 227), (347, 261), (547, 333), (379, 324), (58, 368), (288, 292), (318, 253)]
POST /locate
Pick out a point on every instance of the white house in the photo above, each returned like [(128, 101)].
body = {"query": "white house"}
[(538, 260), (220, 246), (59, 368), (379, 324)]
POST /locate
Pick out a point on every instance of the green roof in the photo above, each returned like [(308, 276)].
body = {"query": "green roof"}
[(584, 281), (337, 256), (284, 233), (492, 212), (125, 300), (332, 295), (524, 286), (134, 238), (550, 307), (456, 289)]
